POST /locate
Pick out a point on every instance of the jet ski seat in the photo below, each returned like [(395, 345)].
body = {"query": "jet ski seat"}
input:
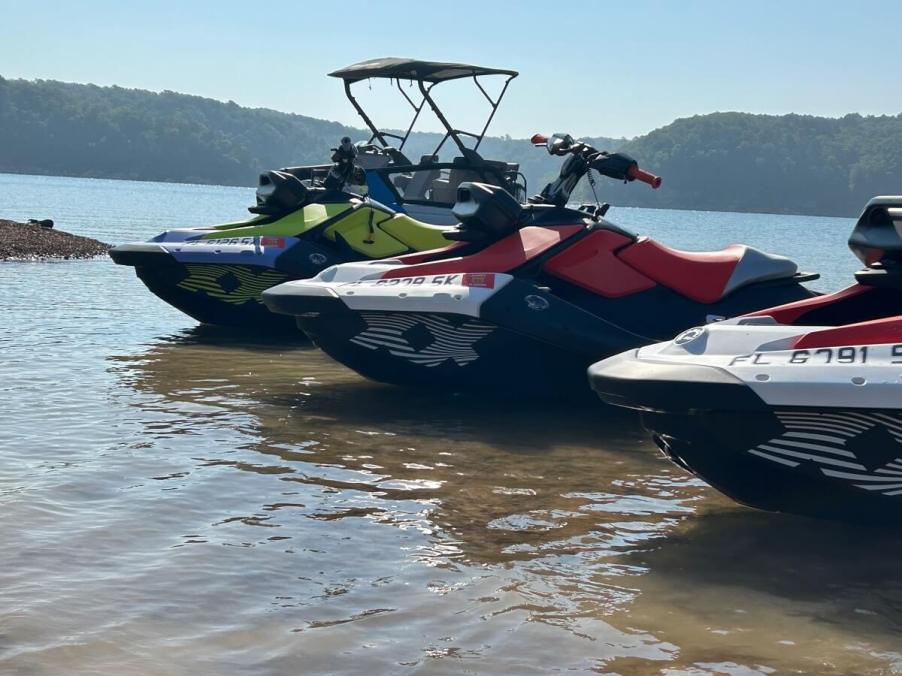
[(706, 277), (420, 180)]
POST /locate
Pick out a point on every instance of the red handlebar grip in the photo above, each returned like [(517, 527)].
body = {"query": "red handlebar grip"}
[(644, 176), (539, 139)]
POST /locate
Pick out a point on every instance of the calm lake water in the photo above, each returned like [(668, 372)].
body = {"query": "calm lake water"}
[(187, 500)]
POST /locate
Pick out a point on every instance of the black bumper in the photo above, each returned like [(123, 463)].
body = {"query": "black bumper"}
[(144, 254), (284, 300)]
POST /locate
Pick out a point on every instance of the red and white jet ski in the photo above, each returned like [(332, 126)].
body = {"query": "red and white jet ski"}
[(529, 295), (796, 408)]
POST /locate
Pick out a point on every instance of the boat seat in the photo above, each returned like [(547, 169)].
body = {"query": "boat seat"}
[(401, 182), (420, 181), (446, 191), (705, 277)]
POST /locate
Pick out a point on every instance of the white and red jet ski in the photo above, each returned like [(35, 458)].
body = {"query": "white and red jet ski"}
[(796, 408), (529, 295)]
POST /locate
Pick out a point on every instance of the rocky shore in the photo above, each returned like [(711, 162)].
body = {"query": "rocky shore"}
[(36, 241)]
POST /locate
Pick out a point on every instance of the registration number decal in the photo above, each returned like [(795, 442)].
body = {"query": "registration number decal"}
[(819, 356), (484, 280)]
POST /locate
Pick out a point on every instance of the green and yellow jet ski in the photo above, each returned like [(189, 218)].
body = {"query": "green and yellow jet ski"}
[(217, 273)]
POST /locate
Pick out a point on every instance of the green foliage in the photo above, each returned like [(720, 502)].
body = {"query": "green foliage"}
[(768, 163), (721, 161), (83, 130)]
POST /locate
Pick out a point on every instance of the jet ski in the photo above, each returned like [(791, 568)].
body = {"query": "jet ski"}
[(794, 409), (371, 202), (216, 274), (527, 296)]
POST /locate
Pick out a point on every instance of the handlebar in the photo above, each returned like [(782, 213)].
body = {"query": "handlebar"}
[(564, 144), (538, 140), (638, 174)]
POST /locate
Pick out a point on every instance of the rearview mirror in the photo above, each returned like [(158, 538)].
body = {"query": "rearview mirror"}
[(558, 143)]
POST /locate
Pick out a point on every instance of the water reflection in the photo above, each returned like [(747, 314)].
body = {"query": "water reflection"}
[(506, 479), (787, 592), (424, 512)]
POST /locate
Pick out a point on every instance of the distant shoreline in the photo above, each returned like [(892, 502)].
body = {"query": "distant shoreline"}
[(250, 187), (9, 172)]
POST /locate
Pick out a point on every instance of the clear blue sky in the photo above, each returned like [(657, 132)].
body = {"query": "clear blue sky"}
[(590, 68)]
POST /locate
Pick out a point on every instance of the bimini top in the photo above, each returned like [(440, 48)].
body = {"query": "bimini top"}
[(426, 74), (413, 69)]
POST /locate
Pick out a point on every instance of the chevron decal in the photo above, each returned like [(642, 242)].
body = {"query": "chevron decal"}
[(236, 284), (834, 443), (424, 339)]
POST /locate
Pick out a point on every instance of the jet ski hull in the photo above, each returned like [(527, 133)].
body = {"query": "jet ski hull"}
[(824, 461), (834, 475), (222, 283), (449, 351), (505, 345), (440, 331), (203, 293)]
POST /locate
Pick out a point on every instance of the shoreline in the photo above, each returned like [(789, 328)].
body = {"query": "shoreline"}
[(249, 187), (36, 242)]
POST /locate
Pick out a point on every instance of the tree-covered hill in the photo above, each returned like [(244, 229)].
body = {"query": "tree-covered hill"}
[(770, 163), (720, 161), (49, 127)]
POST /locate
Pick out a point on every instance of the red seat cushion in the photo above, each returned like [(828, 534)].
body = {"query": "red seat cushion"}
[(505, 254), (701, 276), (420, 256), (592, 264)]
